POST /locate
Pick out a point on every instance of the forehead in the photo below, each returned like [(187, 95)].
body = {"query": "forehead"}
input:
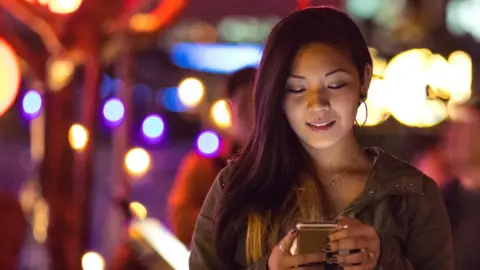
[(319, 56)]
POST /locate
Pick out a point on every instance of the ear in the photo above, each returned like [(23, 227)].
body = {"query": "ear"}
[(367, 79)]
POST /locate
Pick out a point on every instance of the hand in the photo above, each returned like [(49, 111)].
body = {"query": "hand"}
[(354, 235), (281, 258)]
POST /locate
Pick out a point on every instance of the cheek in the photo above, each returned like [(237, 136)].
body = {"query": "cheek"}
[(347, 107), (293, 111)]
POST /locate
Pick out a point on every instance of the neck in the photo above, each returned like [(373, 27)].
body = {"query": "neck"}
[(344, 155)]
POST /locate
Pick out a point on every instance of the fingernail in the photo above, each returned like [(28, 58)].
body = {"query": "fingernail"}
[(333, 260)]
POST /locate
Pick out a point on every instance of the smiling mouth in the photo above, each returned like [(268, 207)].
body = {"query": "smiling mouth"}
[(321, 126)]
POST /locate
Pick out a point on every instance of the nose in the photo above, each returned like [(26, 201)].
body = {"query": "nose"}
[(318, 100)]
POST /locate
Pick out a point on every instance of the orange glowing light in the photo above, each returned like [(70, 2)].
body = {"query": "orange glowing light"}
[(163, 13), (10, 75), (64, 6)]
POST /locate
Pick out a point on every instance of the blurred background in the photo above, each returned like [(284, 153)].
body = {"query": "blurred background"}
[(101, 99)]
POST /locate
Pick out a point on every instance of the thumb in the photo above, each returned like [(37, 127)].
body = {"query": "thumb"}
[(287, 241)]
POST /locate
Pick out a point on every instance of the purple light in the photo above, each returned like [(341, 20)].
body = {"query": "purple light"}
[(153, 127), (32, 104), (114, 111), (208, 143)]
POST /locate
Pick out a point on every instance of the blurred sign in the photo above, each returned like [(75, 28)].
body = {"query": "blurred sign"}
[(232, 29), (242, 29), (386, 13)]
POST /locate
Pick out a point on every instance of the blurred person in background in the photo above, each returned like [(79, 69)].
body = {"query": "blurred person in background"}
[(462, 193), (454, 163), (433, 161), (196, 173), (12, 231)]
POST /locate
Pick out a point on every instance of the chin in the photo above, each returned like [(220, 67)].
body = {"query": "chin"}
[(320, 144)]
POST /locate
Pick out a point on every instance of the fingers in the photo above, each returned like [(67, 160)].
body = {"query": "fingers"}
[(287, 241), (351, 229), (349, 259), (347, 244), (302, 259)]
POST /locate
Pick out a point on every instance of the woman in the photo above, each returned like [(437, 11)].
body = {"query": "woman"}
[(303, 163)]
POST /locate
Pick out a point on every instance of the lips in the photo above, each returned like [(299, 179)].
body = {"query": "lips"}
[(320, 125)]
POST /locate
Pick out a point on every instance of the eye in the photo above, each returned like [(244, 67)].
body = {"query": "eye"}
[(337, 86), (296, 90)]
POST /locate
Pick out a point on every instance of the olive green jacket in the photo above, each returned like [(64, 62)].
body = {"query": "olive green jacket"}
[(402, 204)]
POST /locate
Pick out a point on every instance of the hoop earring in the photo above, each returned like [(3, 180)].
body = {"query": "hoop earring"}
[(366, 114)]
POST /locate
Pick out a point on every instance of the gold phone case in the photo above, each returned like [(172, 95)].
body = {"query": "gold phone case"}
[(312, 237)]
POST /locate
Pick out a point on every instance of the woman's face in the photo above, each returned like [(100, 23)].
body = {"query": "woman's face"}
[(323, 94)]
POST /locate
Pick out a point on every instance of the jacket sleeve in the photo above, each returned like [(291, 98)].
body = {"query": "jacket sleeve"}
[(429, 241), (203, 253)]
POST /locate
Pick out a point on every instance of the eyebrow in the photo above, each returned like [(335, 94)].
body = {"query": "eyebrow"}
[(326, 75)]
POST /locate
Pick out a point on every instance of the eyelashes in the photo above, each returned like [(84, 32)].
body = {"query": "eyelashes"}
[(295, 91), (332, 87)]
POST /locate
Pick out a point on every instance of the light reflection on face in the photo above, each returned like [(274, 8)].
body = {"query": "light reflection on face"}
[(323, 92)]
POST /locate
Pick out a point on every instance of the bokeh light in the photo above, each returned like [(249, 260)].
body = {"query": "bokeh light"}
[(93, 261), (138, 210), (137, 162), (153, 127), (208, 143), (32, 104), (190, 92), (64, 6), (60, 73), (114, 111), (220, 113), (78, 137), (10, 76)]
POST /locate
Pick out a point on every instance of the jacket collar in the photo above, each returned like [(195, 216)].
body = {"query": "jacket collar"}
[(389, 176)]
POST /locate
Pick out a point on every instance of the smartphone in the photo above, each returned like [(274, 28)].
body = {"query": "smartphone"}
[(312, 237)]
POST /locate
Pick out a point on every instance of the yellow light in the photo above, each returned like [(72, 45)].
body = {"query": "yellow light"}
[(190, 92), (60, 73), (220, 113), (376, 105), (93, 261), (40, 221), (138, 210), (64, 6), (438, 72), (163, 242), (379, 64), (137, 161), (9, 76), (460, 76), (78, 137)]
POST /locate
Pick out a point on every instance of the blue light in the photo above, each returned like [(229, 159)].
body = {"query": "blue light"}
[(208, 143), (107, 87), (153, 127), (113, 110), (216, 58), (32, 103), (169, 99)]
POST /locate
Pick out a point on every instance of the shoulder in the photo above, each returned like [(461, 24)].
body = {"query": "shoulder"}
[(399, 177), (216, 190)]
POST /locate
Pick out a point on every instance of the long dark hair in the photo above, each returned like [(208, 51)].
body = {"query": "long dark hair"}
[(268, 168)]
